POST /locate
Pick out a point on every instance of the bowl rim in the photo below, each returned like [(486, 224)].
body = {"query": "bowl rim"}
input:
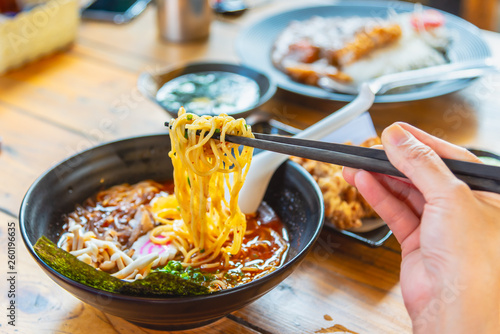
[(172, 299), (263, 98)]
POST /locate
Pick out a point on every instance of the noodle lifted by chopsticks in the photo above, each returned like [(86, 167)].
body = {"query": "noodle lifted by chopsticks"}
[(203, 168)]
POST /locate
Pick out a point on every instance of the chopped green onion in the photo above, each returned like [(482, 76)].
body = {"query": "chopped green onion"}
[(189, 273)]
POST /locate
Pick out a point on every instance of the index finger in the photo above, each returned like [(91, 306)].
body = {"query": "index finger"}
[(420, 163)]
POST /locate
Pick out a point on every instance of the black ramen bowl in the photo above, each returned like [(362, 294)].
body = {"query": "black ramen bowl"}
[(149, 83), (292, 193)]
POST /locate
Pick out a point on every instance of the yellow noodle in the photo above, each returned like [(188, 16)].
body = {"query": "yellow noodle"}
[(202, 169)]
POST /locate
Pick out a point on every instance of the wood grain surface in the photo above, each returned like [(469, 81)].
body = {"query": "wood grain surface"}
[(483, 14), (86, 95)]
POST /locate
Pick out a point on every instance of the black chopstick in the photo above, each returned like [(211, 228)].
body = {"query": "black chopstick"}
[(369, 159), (456, 166), (476, 176)]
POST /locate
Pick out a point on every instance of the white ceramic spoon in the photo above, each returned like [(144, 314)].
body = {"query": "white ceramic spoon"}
[(264, 164)]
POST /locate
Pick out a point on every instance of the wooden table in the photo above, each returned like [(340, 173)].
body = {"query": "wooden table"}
[(76, 99)]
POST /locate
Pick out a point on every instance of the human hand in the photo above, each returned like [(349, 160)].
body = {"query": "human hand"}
[(449, 234)]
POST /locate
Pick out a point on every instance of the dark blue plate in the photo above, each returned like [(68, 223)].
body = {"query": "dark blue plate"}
[(254, 45)]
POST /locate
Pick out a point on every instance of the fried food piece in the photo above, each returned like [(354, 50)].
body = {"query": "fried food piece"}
[(344, 205), (364, 43), (303, 52), (310, 74)]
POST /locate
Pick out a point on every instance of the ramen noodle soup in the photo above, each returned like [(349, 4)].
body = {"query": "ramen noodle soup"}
[(186, 227), (352, 50)]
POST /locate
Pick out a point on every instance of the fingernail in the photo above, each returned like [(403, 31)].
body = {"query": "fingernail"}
[(396, 135), (349, 171)]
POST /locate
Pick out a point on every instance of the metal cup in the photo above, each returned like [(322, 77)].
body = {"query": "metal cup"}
[(184, 20)]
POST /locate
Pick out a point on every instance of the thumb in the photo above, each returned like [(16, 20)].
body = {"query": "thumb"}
[(419, 163)]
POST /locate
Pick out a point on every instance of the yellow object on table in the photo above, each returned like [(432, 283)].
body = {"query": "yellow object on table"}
[(48, 26)]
